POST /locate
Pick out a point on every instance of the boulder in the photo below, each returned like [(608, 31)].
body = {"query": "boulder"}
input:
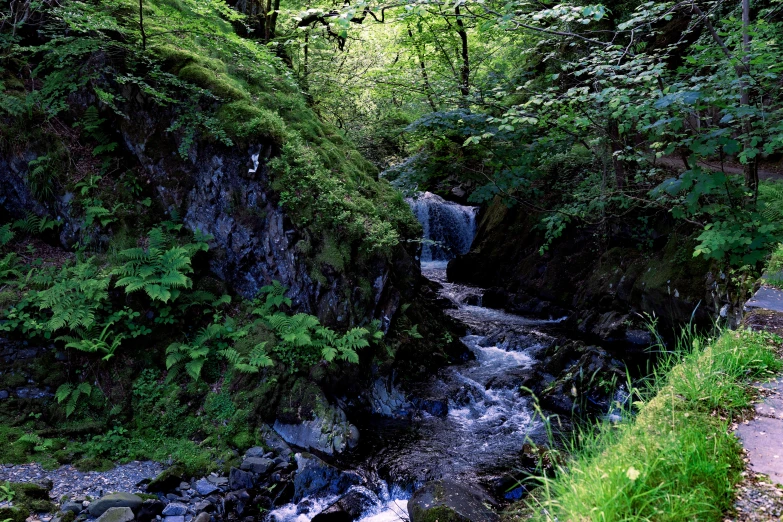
[(238, 479), (314, 477), (117, 514), (447, 501), (258, 465), (118, 500), (256, 451)]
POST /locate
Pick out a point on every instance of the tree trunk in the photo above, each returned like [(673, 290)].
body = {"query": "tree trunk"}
[(616, 146), (141, 26), (424, 75), (751, 169), (464, 86)]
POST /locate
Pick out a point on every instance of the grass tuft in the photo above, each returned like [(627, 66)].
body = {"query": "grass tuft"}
[(676, 460)]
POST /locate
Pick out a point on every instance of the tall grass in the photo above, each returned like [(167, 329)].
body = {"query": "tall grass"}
[(674, 460)]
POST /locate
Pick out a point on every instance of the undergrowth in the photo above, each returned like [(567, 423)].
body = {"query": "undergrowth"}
[(676, 459)]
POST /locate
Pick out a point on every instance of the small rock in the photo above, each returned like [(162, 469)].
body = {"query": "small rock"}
[(202, 517), (205, 487), (257, 464), (100, 506), (218, 481), (256, 452), (174, 509), (183, 486), (203, 506), (175, 518), (3, 394), (117, 514)]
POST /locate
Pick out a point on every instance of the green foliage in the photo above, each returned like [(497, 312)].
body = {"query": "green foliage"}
[(70, 394), (160, 269), (40, 177), (7, 493), (33, 224)]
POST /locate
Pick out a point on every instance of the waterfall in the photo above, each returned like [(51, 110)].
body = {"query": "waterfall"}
[(449, 228)]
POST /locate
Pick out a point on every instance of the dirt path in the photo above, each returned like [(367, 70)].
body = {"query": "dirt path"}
[(759, 496)]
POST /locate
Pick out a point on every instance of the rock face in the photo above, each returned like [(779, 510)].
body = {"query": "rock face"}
[(446, 501), (115, 500), (607, 285)]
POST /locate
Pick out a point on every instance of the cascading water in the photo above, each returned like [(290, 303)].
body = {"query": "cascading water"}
[(488, 420), (449, 228)]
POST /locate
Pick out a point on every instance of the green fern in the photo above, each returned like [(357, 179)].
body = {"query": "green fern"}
[(6, 234), (34, 224), (9, 268), (161, 269), (73, 301), (91, 341), (70, 395), (40, 178), (303, 340)]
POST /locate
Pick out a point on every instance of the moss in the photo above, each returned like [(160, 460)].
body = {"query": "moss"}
[(67, 516), (304, 400), (437, 514), (248, 123), (337, 256), (93, 464), (219, 84)]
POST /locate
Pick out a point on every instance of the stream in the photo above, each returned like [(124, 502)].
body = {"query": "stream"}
[(481, 420)]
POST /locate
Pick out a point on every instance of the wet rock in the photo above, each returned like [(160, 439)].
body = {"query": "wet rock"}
[(174, 518), (386, 399), (350, 507), (257, 452), (238, 479), (149, 510), (314, 477), (3, 395), (435, 407), (447, 501), (205, 487), (202, 517), (117, 514), (175, 509), (129, 500), (257, 465)]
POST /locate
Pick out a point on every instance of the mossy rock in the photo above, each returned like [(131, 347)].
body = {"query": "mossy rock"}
[(13, 514), (447, 501), (168, 479)]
